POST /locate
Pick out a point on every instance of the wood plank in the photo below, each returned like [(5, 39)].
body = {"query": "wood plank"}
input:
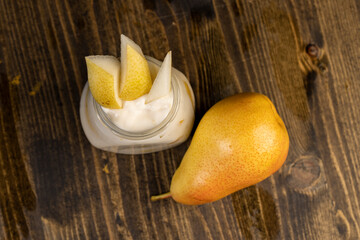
[(55, 185)]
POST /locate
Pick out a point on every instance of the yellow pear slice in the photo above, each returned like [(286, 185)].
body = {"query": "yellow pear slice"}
[(162, 83), (135, 75), (104, 78)]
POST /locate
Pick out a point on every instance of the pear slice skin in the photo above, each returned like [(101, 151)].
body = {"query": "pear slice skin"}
[(135, 74), (104, 77)]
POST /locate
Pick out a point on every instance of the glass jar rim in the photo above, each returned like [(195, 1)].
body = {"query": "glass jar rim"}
[(141, 135)]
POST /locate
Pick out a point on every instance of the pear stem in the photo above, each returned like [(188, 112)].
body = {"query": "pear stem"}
[(161, 196)]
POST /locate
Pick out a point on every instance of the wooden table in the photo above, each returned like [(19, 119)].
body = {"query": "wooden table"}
[(55, 185)]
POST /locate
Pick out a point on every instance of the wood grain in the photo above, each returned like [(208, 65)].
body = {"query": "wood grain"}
[(55, 185)]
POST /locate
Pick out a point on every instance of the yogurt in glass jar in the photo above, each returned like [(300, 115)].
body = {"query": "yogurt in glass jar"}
[(141, 127)]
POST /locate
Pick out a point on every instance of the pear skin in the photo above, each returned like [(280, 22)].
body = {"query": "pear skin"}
[(239, 142)]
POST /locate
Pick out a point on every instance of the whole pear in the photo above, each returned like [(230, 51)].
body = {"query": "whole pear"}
[(239, 142)]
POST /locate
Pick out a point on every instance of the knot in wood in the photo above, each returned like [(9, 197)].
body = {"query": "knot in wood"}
[(312, 50), (304, 172)]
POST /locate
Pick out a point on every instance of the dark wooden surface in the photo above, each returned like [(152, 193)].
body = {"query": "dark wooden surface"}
[(55, 185)]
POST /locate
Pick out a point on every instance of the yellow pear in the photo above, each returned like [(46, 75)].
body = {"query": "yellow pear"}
[(239, 142)]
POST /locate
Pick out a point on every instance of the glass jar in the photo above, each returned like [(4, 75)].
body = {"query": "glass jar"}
[(172, 131)]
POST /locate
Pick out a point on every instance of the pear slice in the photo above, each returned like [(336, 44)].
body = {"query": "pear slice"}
[(162, 83), (135, 74), (104, 78)]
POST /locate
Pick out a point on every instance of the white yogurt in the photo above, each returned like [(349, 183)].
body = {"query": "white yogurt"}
[(138, 116)]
